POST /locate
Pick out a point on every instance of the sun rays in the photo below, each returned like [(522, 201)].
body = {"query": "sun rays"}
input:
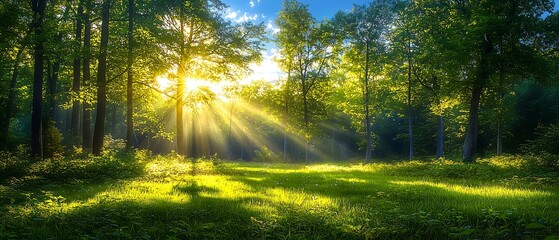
[(225, 119)]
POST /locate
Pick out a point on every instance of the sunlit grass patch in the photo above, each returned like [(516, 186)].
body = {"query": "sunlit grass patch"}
[(209, 199), (484, 191)]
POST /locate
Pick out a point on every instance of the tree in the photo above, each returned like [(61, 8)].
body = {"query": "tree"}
[(16, 32), (130, 79), (488, 23), (99, 132), (38, 8), (308, 46), (77, 71), (366, 28), (86, 114), (202, 43)]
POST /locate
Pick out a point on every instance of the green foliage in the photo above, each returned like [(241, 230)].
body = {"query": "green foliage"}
[(12, 165), (267, 155), (52, 141), (544, 147), (88, 169)]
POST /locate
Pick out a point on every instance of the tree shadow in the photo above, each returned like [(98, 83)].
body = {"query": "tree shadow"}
[(200, 217)]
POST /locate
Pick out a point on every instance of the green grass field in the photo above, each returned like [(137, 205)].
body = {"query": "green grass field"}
[(149, 197)]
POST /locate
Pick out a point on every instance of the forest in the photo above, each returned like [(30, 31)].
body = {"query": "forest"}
[(414, 119)]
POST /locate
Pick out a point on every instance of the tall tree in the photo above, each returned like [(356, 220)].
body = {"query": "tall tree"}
[(130, 79), (74, 126), (99, 132), (204, 44), (366, 28), (489, 22), (86, 114), (311, 52), (38, 8)]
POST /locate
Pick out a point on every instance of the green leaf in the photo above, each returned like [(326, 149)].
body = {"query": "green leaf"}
[(535, 225), (552, 237), (467, 232)]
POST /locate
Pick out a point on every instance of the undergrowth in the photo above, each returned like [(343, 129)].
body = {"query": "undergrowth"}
[(141, 196)]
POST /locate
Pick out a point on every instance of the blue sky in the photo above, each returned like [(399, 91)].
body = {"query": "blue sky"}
[(267, 10)]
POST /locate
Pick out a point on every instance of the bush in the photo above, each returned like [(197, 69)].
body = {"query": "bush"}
[(52, 141), (12, 165), (544, 147), (267, 155), (86, 169)]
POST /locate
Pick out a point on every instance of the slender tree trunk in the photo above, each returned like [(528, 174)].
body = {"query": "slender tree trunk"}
[(129, 89), (76, 80), (410, 108), (99, 131), (306, 118), (11, 98), (52, 90), (368, 147), (500, 114), (194, 136), (286, 116), (470, 142), (38, 7), (333, 147), (230, 137), (86, 123), (499, 138), (181, 147), (440, 136)]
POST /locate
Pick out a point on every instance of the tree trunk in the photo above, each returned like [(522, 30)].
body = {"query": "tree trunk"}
[(470, 142), (11, 99), (52, 80), (367, 92), (440, 136), (333, 147), (129, 90), (499, 137), (38, 7), (306, 118), (194, 151), (76, 78), (86, 123), (181, 147), (286, 116), (410, 109), (500, 113), (230, 137), (99, 131)]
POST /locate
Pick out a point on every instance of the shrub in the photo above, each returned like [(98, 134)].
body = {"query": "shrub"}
[(52, 141), (86, 169), (12, 165), (267, 155), (545, 146)]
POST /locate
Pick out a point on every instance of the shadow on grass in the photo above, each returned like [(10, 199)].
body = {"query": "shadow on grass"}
[(75, 179), (409, 192), (200, 217)]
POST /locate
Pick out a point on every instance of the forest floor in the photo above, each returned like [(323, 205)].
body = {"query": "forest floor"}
[(166, 197)]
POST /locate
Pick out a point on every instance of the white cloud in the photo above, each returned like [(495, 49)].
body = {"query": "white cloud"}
[(251, 3), (231, 14), (246, 18), (271, 28), (268, 69)]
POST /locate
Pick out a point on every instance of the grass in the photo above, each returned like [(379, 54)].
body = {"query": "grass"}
[(154, 197)]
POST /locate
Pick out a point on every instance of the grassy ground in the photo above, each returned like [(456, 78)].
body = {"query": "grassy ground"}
[(144, 197)]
